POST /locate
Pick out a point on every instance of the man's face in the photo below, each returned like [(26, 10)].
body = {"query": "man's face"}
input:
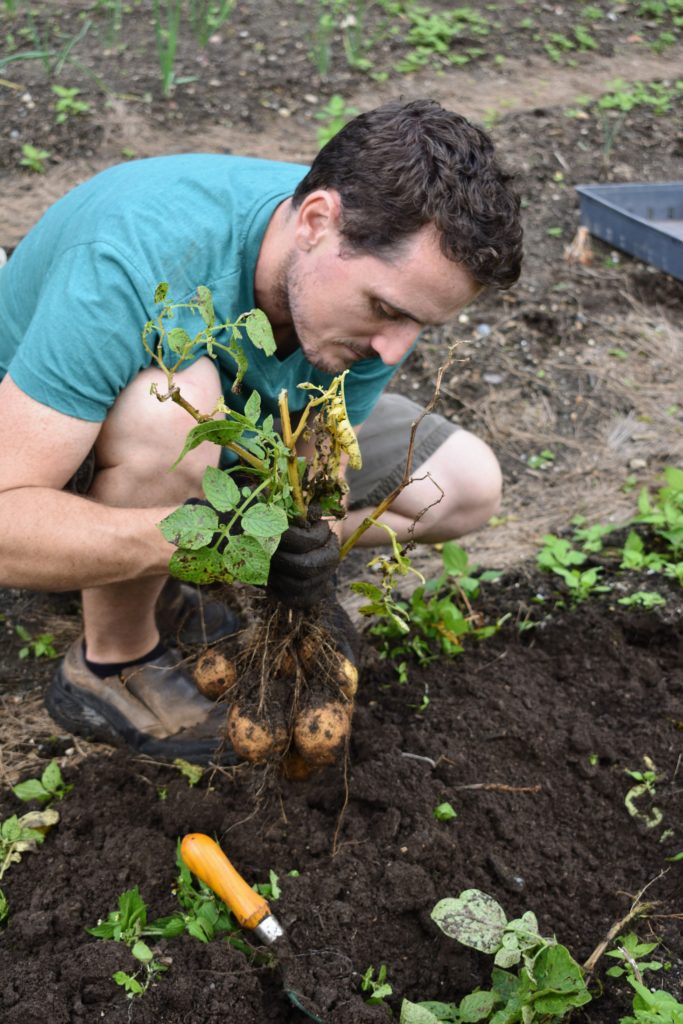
[(346, 307)]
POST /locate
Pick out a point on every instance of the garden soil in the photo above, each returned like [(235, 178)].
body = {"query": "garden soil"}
[(528, 735)]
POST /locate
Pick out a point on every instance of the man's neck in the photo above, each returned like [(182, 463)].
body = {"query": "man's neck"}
[(268, 276)]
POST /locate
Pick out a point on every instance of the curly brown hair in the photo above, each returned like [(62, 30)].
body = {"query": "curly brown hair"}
[(405, 165)]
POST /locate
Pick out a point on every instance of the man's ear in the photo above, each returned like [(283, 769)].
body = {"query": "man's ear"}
[(317, 218)]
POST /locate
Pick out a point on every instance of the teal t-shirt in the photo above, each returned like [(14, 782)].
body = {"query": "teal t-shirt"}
[(79, 288)]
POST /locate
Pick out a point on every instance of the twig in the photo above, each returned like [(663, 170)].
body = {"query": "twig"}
[(288, 438), (419, 757), (406, 478), (638, 909), (501, 787)]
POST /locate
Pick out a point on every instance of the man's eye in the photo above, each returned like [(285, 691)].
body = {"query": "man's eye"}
[(388, 314)]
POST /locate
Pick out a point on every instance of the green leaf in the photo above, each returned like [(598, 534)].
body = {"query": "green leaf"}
[(220, 488), (130, 984), (192, 772), (415, 1013), (204, 302), (203, 566), (178, 340), (142, 952), (455, 560), (259, 331), (474, 918), (477, 1006), (190, 526), (264, 521), (52, 777), (444, 812), (222, 432), (161, 291), (245, 559), (31, 789), (252, 409), (4, 907)]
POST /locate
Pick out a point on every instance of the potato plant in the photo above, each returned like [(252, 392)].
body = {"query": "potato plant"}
[(289, 677)]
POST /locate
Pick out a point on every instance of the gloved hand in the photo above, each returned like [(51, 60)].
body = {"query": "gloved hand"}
[(303, 567)]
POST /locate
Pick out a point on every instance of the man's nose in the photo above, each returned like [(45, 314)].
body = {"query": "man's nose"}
[(393, 342)]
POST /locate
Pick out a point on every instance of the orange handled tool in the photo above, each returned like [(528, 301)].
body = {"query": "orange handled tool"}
[(207, 861)]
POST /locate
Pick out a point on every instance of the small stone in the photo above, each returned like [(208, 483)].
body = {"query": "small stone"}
[(483, 330), (492, 378), (637, 464)]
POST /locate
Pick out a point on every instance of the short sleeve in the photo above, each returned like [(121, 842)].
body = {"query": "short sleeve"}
[(83, 344)]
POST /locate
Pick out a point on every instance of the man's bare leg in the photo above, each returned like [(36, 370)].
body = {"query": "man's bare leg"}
[(139, 441), (466, 470)]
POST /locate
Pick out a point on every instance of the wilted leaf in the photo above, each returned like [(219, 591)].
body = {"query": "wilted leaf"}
[(245, 559), (161, 291), (204, 301), (178, 339), (202, 566)]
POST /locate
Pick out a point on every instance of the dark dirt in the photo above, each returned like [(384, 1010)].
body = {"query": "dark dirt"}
[(551, 717), (582, 359)]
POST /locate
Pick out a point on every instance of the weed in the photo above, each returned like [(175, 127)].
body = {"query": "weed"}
[(438, 613), (650, 1006), (192, 772), (444, 812), (545, 458), (378, 987), (643, 599), (629, 951), (207, 17), (33, 158), (645, 787), (558, 556), (128, 924), (50, 786), (333, 117), (548, 983), (40, 646), (67, 105)]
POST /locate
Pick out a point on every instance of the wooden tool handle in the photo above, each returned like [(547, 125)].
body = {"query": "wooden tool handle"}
[(207, 861)]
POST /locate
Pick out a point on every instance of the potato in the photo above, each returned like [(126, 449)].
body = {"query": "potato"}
[(214, 674), (341, 669), (255, 739), (348, 677), (320, 733), (295, 768)]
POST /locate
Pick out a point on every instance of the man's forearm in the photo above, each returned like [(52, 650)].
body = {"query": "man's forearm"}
[(51, 540)]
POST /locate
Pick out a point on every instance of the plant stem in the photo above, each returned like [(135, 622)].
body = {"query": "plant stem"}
[(288, 438), (371, 520)]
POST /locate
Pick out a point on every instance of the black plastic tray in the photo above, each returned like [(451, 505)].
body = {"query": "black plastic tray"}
[(645, 221)]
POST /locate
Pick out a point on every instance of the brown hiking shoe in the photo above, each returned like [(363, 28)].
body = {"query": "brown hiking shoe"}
[(155, 708), (186, 615)]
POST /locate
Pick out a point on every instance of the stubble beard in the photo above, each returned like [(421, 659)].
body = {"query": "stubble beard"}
[(287, 291)]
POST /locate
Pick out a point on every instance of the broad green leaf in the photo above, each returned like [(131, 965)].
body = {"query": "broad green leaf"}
[(132, 908), (31, 789), (259, 331), (126, 981), (142, 952), (252, 409), (190, 527), (220, 488), (474, 918), (178, 339), (52, 777), (414, 1013), (264, 521), (560, 979), (161, 291), (476, 1006), (204, 301), (442, 1011), (455, 559), (202, 566), (222, 432), (245, 559)]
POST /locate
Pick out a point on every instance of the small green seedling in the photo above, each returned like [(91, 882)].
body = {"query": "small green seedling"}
[(40, 646), (192, 772), (33, 158), (546, 457), (50, 786), (630, 951), (643, 599), (270, 890), (379, 987), (333, 117), (444, 812), (558, 556), (66, 104), (645, 786)]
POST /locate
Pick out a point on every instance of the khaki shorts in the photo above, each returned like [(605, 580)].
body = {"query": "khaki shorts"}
[(384, 443)]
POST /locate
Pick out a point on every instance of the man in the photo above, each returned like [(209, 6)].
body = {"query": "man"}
[(401, 220)]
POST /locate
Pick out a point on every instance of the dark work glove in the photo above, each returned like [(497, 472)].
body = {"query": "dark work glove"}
[(303, 567)]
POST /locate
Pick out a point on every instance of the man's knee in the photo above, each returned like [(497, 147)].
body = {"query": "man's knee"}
[(143, 436), (466, 470)]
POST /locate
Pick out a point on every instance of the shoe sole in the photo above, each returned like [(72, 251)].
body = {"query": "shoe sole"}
[(84, 714)]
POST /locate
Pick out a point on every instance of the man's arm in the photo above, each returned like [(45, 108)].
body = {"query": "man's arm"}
[(52, 540)]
